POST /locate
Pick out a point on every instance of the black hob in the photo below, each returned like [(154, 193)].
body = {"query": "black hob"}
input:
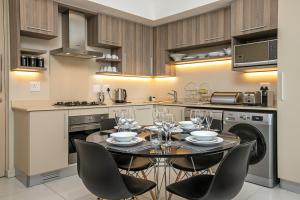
[(78, 103)]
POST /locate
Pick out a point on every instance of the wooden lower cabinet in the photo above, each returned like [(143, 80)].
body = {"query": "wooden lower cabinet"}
[(41, 141)]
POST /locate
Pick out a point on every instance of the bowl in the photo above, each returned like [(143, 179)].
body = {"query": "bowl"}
[(123, 136), (228, 51), (177, 56), (187, 124), (204, 135), (201, 55)]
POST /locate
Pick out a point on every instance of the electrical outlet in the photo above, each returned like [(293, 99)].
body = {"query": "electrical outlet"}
[(35, 86), (105, 87)]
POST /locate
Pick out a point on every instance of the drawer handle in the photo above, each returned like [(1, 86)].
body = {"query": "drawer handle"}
[(253, 28)]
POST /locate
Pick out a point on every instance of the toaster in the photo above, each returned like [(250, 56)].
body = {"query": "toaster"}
[(252, 98)]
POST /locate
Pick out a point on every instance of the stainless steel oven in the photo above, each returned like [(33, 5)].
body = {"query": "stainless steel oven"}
[(80, 127)]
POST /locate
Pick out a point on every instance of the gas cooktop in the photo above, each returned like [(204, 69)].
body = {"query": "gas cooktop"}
[(78, 103)]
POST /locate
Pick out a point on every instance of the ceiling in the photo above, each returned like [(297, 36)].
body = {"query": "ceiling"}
[(151, 12)]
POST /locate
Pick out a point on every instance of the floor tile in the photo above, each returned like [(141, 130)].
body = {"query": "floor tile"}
[(274, 194), (40, 192), (71, 188), (247, 190), (10, 186)]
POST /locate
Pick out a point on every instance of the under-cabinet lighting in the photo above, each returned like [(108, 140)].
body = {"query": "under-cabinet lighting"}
[(261, 74), (26, 74), (117, 77), (164, 78), (202, 64)]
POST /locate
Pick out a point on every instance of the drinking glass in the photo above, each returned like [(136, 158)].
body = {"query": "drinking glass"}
[(168, 125), (209, 119), (120, 118), (158, 118), (201, 118), (194, 116), (155, 139), (130, 119)]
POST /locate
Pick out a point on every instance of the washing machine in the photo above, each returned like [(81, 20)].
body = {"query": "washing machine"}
[(260, 127)]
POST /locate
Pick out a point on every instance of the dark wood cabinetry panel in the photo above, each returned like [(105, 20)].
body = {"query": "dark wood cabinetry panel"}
[(160, 56), (252, 16), (104, 31), (38, 18), (128, 48)]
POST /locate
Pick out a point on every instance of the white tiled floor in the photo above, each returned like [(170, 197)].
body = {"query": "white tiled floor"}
[(71, 188)]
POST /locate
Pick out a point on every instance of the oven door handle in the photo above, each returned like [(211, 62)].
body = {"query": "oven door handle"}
[(84, 127)]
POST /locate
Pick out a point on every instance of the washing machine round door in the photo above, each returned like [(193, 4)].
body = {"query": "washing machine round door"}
[(246, 133)]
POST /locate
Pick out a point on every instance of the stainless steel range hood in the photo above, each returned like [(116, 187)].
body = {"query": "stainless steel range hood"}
[(74, 37)]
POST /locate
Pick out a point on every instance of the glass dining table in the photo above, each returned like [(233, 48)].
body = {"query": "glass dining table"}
[(164, 154)]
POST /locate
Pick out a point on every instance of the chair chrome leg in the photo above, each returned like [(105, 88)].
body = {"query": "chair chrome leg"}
[(151, 192), (210, 172)]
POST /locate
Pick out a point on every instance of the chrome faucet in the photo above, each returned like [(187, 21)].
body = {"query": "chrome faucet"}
[(174, 95)]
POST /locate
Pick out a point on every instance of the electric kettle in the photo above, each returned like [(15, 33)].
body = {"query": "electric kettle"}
[(120, 96)]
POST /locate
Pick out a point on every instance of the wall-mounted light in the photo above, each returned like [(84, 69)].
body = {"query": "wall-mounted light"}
[(26, 74)]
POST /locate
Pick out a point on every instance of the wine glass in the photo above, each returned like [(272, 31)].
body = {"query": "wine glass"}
[(130, 119), (209, 119), (120, 118), (194, 116), (158, 118), (168, 125), (201, 117)]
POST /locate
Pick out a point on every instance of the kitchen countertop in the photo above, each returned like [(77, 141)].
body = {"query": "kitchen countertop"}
[(31, 106)]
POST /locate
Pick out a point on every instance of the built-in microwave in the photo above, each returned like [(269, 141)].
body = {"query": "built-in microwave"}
[(256, 56)]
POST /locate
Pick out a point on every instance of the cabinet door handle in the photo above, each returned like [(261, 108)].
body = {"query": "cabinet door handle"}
[(66, 126), (33, 27), (215, 38), (253, 28)]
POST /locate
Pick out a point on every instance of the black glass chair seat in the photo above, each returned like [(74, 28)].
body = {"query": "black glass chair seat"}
[(100, 175), (224, 185)]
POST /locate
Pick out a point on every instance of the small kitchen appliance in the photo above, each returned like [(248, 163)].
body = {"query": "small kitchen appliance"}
[(252, 98), (267, 97), (232, 98), (120, 95)]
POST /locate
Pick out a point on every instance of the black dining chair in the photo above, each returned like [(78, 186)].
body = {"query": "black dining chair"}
[(134, 165), (99, 173), (224, 185)]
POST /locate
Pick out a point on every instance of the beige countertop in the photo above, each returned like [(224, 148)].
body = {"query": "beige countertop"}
[(31, 106)]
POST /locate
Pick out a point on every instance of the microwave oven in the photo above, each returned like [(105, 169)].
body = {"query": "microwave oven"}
[(257, 56)]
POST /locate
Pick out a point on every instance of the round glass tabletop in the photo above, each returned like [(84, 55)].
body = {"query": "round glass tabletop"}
[(179, 147)]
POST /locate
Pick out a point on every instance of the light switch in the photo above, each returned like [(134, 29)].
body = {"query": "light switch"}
[(35, 86)]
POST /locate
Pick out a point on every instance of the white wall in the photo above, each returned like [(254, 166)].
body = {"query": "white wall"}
[(155, 9)]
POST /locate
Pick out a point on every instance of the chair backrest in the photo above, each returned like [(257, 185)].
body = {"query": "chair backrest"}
[(231, 174), (99, 172)]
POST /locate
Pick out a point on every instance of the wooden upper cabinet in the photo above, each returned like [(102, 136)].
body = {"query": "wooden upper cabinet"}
[(215, 26), (128, 48), (137, 49), (182, 33), (251, 16), (160, 56), (104, 31), (39, 18)]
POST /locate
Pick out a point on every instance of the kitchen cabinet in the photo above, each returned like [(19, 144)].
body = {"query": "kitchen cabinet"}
[(177, 111), (114, 110), (160, 53), (214, 26), (104, 31), (143, 114), (182, 33), (39, 18), (41, 141), (143, 50), (137, 49), (252, 16)]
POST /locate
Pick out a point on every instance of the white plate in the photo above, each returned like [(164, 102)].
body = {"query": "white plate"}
[(152, 128), (191, 129), (133, 142), (192, 140), (176, 130), (133, 128)]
